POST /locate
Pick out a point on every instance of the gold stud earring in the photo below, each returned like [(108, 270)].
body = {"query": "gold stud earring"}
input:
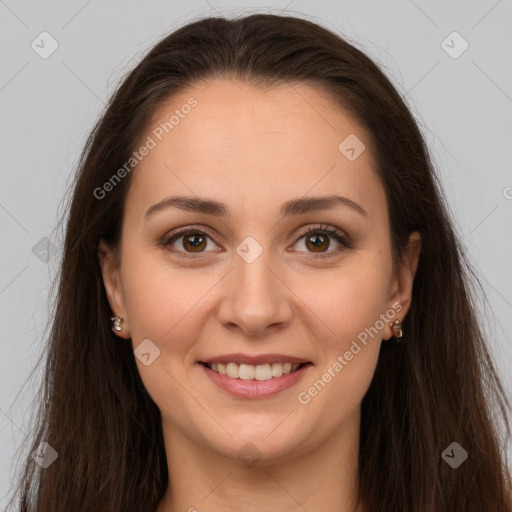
[(397, 329)]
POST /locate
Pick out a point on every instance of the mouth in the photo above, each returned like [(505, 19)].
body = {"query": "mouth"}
[(253, 377), (259, 372)]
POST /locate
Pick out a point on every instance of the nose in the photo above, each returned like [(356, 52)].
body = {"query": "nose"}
[(256, 300)]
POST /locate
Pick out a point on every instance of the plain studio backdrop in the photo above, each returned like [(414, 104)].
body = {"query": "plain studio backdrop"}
[(61, 60)]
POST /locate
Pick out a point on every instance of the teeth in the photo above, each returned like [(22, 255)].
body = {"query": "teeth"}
[(246, 371), (250, 372), (262, 372), (232, 370), (277, 369)]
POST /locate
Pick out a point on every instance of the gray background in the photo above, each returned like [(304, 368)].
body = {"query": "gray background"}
[(48, 106)]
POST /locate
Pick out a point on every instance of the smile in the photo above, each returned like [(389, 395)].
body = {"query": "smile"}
[(257, 372), (255, 377)]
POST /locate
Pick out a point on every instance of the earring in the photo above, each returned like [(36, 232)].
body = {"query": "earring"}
[(397, 329), (116, 323)]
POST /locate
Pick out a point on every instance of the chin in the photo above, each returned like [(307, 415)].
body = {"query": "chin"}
[(263, 445)]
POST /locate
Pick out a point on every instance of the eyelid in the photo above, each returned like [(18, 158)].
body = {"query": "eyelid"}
[(321, 227)]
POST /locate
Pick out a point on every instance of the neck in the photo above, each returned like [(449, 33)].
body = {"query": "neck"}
[(323, 479)]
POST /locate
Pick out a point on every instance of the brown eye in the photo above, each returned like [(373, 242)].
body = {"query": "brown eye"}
[(189, 243), (324, 241), (194, 242), (317, 243)]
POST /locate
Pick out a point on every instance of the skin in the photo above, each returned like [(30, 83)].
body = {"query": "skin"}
[(255, 149)]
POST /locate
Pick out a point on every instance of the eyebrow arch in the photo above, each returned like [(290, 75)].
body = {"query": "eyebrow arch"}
[(290, 208)]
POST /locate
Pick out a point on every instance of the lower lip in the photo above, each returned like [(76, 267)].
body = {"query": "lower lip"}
[(256, 388)]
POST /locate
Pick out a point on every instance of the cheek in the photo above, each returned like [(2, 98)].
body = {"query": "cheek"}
[(350, 303), (352, 306), (163, 303), (352, 309), (163, 306)]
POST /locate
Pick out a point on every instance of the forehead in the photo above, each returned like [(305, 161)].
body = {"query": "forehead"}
[(232, 139)]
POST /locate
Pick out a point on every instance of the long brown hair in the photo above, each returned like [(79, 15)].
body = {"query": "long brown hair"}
[(436, 388)]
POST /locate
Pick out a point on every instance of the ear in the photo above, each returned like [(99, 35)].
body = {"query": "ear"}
[(111, 271), (403, 280)]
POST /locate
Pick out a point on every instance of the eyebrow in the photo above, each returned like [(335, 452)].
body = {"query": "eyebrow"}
[(290, 208)]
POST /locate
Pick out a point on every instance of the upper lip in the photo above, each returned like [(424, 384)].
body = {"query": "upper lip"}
[(254, 360)]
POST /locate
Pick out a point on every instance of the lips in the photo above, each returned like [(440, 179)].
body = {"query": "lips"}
[(258, 385), (255, 376)]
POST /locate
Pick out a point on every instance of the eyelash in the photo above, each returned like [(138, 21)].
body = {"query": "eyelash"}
[(345, 242)]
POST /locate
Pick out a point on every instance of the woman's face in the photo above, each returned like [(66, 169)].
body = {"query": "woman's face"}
[(257, 280)]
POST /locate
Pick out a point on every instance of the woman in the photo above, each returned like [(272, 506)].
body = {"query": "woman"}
[(263, 304)]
